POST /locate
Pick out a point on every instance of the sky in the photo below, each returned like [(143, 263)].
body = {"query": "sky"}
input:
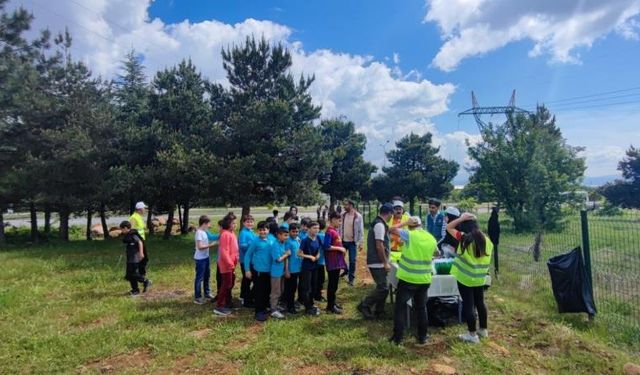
[(403, 66)]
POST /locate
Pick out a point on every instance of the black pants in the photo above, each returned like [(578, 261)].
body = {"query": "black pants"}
[(332, 287), (218, 279), (246, 291), (405, 292), (319, 284), (262, 290), (134, 276), (377, 298), (473, 297), (307, 280), (290, 287)]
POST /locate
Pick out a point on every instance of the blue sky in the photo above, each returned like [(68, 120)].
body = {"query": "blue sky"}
[(396, 67)]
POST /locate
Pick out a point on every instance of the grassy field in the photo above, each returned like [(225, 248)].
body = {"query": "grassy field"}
[(63, 309)]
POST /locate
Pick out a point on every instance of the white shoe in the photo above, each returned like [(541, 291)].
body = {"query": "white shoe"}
[(468, 337), (483, 333), (277, 314), (199, 301)]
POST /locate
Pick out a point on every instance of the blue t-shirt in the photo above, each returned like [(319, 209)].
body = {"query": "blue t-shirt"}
[(213, 237), (245, 238), (277, 250), (258, 254), (313, 248), (321, 260), (295, 262)]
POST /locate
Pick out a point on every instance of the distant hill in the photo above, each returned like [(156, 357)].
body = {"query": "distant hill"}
[(600, 180)]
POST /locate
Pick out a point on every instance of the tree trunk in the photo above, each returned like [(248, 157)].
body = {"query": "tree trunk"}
[(64, 224), (149, 221), (47, 219), (167, 230), (332, 204), (103, 220), (246, 210), (89, 217), (185, 219), (537, 247), (411, 206), (3, 238), (180, 217), (34, 222)]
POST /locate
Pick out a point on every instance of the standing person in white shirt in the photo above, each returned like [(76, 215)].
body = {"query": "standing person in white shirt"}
[(352, 235), (203, 264)]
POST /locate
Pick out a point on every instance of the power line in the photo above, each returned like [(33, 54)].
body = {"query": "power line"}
[(567, 109), (598, 100)]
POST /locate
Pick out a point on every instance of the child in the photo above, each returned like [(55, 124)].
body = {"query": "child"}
[(334, 255), (293, 273), (228, 255), (202, 260), (245, 238), (310, 250), (470, 269), (287, 219), (279, 256), (257, 263), (320, 271), (304, 228), (135, 254)]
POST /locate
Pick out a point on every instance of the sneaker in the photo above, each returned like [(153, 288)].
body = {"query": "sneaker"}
[(209, 296), (277, 315), (134, 293), (422, 341), (338, 306), (199, 301), (351, 283), (334, 310), (468, 337), (147, 284), (313, 311), (483, 333), (365, 311), (395, 340), (298, 305), (222, 311), (262, 316)]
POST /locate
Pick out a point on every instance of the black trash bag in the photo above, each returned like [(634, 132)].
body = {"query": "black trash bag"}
[(570, 284), (442, 311)]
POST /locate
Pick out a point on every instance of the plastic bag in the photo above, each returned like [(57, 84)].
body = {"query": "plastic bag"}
[(571, 287)]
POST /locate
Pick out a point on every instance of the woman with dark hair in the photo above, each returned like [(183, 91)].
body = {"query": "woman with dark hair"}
[(470, 269), (294, 212)]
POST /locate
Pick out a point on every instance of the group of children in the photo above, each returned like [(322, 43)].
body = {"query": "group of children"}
[(283, 265)]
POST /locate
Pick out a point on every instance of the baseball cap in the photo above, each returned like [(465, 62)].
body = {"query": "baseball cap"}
[(140, 205), (415, 221), (398, 203), (386, 208), (452, 211)]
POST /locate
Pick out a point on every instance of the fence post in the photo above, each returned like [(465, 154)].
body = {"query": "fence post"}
[(586, 249)]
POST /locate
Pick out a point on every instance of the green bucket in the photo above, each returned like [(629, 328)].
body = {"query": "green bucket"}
[(443, 266)]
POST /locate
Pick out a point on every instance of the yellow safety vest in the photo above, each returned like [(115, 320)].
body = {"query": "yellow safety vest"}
[(469, 270), (394, 255), (414, 265), (137, 223)]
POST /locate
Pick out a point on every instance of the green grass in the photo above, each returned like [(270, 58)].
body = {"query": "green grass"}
[(63, 309)]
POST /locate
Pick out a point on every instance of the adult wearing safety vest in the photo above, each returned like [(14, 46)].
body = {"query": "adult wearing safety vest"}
[(399, 217), (470, 269), (414, 278), (137, 222)]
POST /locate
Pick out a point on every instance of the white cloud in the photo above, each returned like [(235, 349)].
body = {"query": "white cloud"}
[(556, 28)]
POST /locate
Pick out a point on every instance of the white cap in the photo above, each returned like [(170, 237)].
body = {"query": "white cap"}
[(140, 205), (397, 204), (415, 221), (452, 211)]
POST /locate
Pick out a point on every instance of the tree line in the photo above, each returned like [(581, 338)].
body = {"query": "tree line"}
[(73, 143)]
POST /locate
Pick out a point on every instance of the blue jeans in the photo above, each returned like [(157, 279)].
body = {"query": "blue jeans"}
[(203, 273), (352, 249)]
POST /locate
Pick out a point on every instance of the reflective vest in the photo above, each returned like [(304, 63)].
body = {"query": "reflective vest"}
[(137, 222), (414, 265), (469, 270), (396, 242)]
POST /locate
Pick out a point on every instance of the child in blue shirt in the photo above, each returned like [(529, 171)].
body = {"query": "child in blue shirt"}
[(295, 263), (279, 255), (257, 265), (245, 238), (310, 250)]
